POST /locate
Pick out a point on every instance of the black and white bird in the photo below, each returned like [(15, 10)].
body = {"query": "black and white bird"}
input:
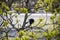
[(30, 22)]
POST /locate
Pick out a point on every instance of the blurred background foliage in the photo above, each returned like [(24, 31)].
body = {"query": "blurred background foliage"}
[(32, 6)]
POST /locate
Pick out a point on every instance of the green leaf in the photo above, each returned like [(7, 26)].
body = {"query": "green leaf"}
[(45, 34), (21, 9), (32, 35), (7, 8), (17, 9), (21, 32), (4, 6), (17, 38), (10, 13), (52, 17), (24, 10), (5, 23), (24, 37), (1, 12), (54, 32)]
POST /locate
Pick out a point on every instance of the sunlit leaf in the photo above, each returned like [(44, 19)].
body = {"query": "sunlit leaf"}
[(17, 38), (23, 10), (54, 32), (17, 9), (4, 6), (32, 35), (24, 38), (5, 23), (45, 34), (10, 13), (21, 32), (1, 12), (52, 17)]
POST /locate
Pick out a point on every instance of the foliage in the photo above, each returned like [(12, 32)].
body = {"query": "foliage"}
[(49, 34), (24, 10), (1, 12), (5, 23), (4, 6), (52, 6), (21, 33)]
